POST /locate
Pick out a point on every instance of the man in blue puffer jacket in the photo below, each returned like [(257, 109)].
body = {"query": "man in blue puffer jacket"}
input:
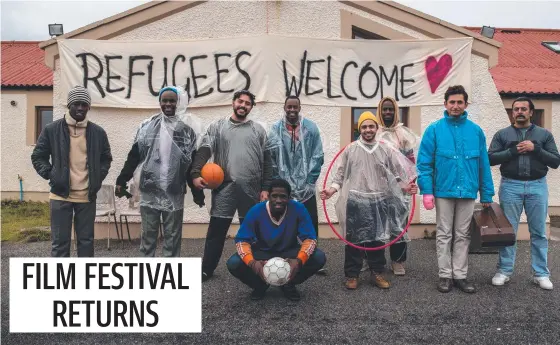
[(453, 166)]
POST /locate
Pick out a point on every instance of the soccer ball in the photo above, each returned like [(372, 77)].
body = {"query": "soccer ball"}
[(276, 271)]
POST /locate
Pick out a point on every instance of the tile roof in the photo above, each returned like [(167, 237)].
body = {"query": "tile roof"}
[(23, 65), (524, 64)]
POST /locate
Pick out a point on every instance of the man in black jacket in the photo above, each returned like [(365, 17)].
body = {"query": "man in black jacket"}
[(525, 152), (81, 157), (163, 152)]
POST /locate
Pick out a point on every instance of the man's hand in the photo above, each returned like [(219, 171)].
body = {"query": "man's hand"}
[(295, 265), (525, 146), (486, 204), (200, 183), (428, 201), (121, 191), (198, 198), (264, 195), (412, 188), (257, 267), (327, 193)]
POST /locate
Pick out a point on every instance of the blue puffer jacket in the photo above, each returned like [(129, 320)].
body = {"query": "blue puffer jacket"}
[(453, 160)]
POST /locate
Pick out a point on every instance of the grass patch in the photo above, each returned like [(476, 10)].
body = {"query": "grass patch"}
[(25, 221)]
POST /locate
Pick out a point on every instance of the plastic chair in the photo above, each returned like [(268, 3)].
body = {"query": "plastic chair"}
[(105, 206), (133, 211)]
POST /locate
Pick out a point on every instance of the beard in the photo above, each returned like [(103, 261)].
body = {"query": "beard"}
[(292, 117), (389, 119), (238, 114)]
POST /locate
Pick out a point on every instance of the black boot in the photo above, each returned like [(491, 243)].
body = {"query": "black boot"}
[(290, 292), (206, 276), (464, 285), (258, 294), (445, 284)]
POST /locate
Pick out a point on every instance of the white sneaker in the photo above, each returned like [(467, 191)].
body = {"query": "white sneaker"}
[(500, 279), (543, 282)]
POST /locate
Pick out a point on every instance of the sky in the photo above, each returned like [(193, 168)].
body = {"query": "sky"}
[(36, 15)]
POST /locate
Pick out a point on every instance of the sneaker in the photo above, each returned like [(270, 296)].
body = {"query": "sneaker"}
[(398, 268), (290, 292), (258, 294), (379, 281), (351, 283), (322, 272), (500, 279), (543, 282)]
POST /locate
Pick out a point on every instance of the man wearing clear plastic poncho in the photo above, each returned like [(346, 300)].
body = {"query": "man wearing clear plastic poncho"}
[(375, 181), (237, 145), (297, 155), (392, 131), (160, 161)]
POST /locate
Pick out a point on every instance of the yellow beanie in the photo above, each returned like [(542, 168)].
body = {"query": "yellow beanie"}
[(367, 115)]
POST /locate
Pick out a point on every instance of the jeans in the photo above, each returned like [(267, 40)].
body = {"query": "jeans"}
[(532, 196), (241, 271)]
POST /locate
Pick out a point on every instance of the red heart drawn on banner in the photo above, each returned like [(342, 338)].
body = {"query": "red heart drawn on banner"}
[(437, 70)]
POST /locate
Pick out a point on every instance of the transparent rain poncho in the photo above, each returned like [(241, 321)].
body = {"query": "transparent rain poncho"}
[(397, 134), (238, 148), (297, 161), (371, 204), (402, 138), (166, 145)]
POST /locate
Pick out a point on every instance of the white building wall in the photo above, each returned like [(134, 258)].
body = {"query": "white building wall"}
[(309, 19), (16, 155), (554, 175)]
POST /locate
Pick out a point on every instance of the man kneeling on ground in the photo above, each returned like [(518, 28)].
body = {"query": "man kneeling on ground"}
[(272, 229)]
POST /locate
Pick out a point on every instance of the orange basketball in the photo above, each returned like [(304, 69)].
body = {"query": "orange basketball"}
[(213, 174)]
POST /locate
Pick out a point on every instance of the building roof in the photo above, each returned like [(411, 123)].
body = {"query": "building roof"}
[(525, 65), (23, 65), (155, 10)]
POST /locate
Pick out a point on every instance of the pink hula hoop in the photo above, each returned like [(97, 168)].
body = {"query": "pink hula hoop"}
[(346, 241)]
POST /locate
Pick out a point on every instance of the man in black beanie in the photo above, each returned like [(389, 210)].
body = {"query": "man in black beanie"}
[(80, 158)]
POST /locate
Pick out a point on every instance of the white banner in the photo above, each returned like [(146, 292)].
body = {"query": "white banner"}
[(105, 295), (323, 72)]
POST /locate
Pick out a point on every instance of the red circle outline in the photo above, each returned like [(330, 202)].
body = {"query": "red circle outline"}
[(346, 241)]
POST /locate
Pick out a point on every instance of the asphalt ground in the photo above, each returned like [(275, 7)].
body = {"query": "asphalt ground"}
[(412, 311)]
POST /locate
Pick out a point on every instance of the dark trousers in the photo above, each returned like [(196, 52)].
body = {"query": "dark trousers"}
[(353, 259), (215, 240), (241, 271), (63, 214), (311, 206), (397, 251)]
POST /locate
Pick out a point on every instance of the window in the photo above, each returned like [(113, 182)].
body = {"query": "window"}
[(360, 34), (537, 118), (554, 46), (44, 117), (356, 112)]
